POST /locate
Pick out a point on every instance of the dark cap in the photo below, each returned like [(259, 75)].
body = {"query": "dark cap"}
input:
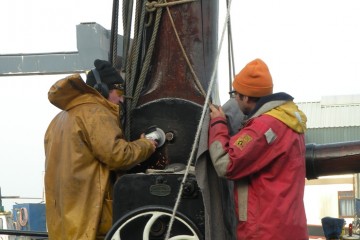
[(108, 75)]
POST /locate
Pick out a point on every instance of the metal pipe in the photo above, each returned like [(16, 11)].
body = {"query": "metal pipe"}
[(23, 233), (332, 159)]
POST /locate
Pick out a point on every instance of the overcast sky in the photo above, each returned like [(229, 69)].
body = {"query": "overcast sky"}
[(311, 47)]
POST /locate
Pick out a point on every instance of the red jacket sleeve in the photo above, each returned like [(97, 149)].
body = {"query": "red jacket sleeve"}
[(246, 152)]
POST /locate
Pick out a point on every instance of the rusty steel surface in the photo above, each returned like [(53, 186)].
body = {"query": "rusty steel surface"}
[(170, 75)]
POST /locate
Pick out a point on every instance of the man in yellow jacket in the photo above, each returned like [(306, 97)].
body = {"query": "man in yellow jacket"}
[(83, 144)]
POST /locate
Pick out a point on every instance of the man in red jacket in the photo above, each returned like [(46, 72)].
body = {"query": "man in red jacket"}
[(265, 159)]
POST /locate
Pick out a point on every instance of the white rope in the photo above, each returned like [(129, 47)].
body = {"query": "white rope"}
[(197, 136)]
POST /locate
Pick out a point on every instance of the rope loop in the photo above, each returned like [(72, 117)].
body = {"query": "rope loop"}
[(151, 6), (149, 20)]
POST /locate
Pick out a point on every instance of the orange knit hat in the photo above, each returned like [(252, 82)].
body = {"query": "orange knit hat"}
[(254, 80)]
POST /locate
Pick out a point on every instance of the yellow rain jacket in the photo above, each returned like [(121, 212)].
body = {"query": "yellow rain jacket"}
[(83, 143)]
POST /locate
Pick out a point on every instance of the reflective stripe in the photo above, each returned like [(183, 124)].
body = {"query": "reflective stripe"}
[(298, 116), (242, 187), (219, 158), (270, 136)]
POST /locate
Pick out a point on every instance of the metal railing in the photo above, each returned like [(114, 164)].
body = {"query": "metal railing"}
[(24, 233)]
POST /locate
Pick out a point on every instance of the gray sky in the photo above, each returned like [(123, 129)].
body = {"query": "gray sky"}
[(311, 47)]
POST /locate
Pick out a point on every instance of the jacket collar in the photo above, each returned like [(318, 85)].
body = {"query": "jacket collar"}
[(269, 102)]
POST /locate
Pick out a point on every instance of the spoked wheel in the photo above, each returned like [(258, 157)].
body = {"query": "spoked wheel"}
[(151, 223)]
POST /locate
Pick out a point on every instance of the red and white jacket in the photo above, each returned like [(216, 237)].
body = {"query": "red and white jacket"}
[(266, 161)]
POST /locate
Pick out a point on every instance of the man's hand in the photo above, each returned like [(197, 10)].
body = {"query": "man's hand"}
[(216, 111), (153, 142)]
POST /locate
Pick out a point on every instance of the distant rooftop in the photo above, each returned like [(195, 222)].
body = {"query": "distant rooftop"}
[(332, 111)]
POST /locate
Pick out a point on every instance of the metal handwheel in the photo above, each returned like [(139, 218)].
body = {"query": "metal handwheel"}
[(151, 223)]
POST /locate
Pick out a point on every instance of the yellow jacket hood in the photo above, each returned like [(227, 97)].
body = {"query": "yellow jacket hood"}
[(72, 91), (291, 115), (281, 106)]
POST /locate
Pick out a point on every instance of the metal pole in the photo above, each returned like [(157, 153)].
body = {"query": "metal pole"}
[(23, 233)]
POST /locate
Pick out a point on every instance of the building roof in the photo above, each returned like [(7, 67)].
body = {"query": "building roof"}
[(332, 112)]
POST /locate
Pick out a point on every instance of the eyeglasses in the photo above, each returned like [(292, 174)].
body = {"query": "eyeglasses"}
[(233, 94), (119, 92)]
